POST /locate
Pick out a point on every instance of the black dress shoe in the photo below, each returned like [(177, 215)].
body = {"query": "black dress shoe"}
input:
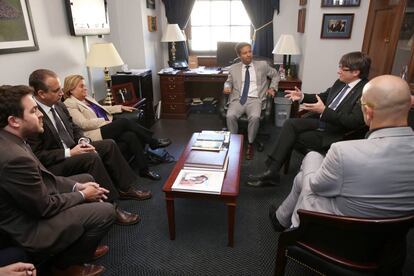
[(273, 219), (160, 143), (269, 174), (150, 174), (125, 218)]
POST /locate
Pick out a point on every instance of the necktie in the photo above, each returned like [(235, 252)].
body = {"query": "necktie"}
[(245, 92), (63, 133), (334, 104)]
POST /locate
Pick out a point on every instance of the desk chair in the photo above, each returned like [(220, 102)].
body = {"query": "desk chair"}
[(338, 245), (265, 117)]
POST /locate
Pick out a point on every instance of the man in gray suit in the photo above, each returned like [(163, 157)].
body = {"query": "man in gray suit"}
[(248, 87), (47, 215), (362, 178)]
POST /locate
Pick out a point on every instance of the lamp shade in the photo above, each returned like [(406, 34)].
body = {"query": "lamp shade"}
[(172, 34), (103, 55), (286, 45)]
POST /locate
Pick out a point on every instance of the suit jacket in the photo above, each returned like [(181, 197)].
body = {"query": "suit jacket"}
[(368, 178), (348, 115), (31, 198), (262, 70), (86, 119), (47, 146)]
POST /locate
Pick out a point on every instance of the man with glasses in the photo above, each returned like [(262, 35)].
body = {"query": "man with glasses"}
[(334, 114), (372, 177)]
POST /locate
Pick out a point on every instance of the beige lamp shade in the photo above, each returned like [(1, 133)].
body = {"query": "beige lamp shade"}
[(103, 55), (286, 45), (172, 34)]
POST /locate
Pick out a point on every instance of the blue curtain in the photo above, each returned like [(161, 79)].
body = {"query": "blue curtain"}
[(261, 14), (178, 12)]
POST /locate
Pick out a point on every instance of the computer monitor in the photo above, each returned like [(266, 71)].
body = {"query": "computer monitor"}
[(226, 53)]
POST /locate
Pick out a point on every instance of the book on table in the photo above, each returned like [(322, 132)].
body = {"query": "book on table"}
[(210, 136), (220, 132), (206, 159), (199, 181), (207, 145)]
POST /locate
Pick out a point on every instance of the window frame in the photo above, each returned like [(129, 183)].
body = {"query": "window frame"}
[(187, 31)]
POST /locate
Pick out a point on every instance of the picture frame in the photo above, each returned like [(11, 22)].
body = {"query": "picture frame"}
[(151, 4), (303, 2), (340, 3), (301, 20), (124, 94), (17, 33), (337, 26), (152, 23)]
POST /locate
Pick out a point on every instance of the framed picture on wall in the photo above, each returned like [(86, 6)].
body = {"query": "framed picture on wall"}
[(151, 4), (152, 23), (302, 2), (124, 94), (17, 32), (301, 20), (340, 3), (337, 25)]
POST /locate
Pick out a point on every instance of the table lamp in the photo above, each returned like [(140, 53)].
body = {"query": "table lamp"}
[(173, 34), (104, 55), (286, 46)]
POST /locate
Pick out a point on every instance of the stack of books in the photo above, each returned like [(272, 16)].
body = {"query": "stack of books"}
[(211, 140), (204, 169)]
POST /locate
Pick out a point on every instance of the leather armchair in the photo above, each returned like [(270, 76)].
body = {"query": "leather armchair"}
[(338, 245)]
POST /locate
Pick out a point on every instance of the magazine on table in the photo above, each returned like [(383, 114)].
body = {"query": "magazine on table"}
[(199, 181)]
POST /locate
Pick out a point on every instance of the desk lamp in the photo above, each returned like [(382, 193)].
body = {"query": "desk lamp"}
[(172, 34), (286, 46), (104, 55)]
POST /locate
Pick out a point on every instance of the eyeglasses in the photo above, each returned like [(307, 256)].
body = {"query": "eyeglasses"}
[(344, 69)]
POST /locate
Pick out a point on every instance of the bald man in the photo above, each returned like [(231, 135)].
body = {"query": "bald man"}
[(369, 178)]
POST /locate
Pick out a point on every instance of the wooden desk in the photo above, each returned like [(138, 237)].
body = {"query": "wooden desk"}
[(229, 191), (176, 88)]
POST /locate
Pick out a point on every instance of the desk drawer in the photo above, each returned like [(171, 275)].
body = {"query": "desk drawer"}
[(175, 84), (174, 108), (172, 97)]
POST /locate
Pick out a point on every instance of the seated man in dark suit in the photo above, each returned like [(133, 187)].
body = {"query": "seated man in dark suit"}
[(337, 113), (59, 150), (46, 215)]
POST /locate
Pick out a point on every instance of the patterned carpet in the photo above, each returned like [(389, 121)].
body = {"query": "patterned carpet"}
[(200, 247)]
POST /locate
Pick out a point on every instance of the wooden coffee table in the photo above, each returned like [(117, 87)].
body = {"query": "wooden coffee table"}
[(229, 191)]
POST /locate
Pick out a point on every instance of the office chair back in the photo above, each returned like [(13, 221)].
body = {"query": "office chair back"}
[(338, 245)]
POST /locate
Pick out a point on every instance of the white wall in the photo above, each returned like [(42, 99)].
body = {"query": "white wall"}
[(321, 56), (138, 47), (141, 49), (319, 60), (58, 51)]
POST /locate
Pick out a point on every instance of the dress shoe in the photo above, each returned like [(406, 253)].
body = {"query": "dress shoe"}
[(79, 270), (135, 194), (249, 152), (160, 143), (100, 252), (269, 174), (273, 219), (150, 174), (125, 218)]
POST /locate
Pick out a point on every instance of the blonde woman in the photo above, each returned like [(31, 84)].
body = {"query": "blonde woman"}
[(97, 123)]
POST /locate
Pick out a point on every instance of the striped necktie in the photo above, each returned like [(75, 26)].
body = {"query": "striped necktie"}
[(334, 104)]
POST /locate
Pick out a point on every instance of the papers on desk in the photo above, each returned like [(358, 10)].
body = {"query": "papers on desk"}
[(168, 70), (202, 70)]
